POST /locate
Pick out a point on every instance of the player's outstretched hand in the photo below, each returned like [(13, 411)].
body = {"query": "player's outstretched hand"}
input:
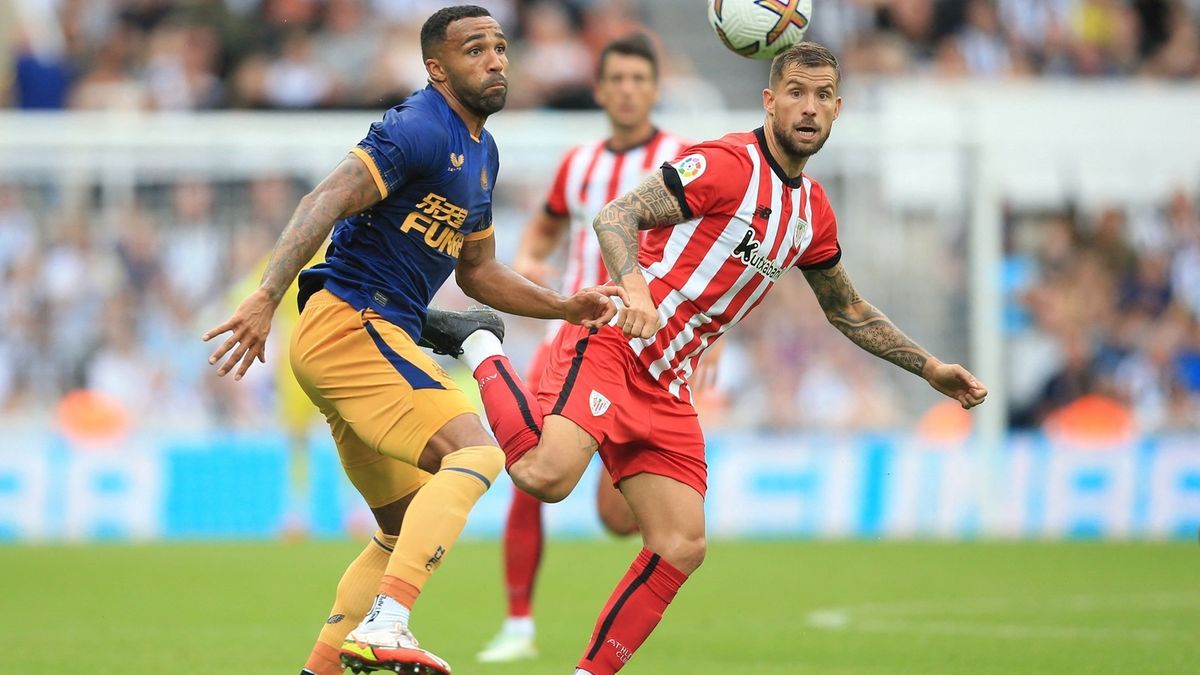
[(249, 326), (593, 307), (956, 382)]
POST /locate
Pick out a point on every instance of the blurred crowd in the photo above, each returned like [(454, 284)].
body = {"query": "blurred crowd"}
[(1104, 319), (309, 54), (1102, 310)]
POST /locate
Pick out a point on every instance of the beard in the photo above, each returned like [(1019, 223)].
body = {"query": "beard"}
[(480, 100), (794, 147)]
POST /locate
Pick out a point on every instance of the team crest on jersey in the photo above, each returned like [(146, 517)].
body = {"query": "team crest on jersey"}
[(456, 162), (801, 226), (483, 179), (598, 403), (690, 168)]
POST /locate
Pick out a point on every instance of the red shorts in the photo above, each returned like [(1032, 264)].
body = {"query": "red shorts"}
[(595, 380), (537, 365)]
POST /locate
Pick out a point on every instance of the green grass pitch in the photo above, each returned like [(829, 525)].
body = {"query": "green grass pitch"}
[(766, 608)]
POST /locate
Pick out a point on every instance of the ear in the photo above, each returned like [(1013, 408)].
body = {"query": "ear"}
[(837, 107), (435, 70), (769, 102)]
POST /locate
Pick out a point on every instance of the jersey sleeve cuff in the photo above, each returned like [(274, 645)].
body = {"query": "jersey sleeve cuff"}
[(675, 186), (481, 234), (367, 159), (550, 210), (826, 263)]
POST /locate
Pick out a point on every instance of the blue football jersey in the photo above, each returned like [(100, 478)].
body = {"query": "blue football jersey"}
[(436, 180)]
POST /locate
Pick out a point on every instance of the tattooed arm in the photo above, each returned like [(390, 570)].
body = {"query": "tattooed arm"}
[(346, 191), (870, 329), (647, 206)]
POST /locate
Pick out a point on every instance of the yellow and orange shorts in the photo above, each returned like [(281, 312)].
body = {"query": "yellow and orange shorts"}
[(383, 397)]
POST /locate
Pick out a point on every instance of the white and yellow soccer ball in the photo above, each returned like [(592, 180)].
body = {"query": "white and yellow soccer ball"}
[(759, 29)]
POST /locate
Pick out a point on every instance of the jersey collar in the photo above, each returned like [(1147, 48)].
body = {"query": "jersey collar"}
[(793, 183)]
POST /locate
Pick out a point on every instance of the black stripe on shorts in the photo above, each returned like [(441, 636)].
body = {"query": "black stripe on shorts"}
[(569, 383)]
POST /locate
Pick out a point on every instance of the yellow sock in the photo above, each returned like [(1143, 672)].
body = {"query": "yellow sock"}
[(355, 593), (436, 517)]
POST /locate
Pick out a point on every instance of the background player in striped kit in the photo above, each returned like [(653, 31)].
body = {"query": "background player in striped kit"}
[(589, 176), (724, 223)]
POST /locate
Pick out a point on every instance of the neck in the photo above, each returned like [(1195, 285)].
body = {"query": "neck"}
[(473, 120), (793, 166), (624, 138)]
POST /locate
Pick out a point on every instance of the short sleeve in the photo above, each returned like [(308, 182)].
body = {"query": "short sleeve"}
[(824, 251), (556, 199), (400, 146), (708, 178)]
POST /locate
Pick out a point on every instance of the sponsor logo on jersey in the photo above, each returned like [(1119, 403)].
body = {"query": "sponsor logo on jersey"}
[(483, 178), (690, 168), (456, 162), (440, 221), (598, 403), (747, 251)]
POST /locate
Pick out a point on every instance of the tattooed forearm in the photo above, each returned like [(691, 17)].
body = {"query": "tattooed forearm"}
[(346, 191), (648, 205), (865, 325)]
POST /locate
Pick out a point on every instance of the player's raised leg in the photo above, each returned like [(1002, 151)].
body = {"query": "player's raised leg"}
[(559, 449), (671, 517)]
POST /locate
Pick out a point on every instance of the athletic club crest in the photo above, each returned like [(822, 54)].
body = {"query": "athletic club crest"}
[(599, 403), (801, 226), (483, 181)]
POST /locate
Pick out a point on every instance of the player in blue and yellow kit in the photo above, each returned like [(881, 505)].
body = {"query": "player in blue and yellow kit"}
[(411, 203)]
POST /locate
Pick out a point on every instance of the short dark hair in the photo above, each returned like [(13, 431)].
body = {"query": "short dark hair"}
[(634, 44), (806, 55), (433, 31)]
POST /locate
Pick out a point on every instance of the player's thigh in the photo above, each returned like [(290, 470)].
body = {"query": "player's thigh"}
[(614, 511), (670, 514), (386, 484), (393, 395)]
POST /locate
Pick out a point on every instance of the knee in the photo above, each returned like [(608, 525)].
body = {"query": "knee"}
[(485, 460), (684, 553), (540, 483)]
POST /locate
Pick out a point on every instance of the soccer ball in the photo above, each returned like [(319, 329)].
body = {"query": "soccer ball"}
[(759, 29)]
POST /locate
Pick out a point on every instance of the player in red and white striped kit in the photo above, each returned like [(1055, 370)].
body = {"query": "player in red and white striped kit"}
[(725, 221), (589, 176)]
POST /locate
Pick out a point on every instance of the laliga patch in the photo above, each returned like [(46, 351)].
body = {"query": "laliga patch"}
[(690, 168), (598, 403)]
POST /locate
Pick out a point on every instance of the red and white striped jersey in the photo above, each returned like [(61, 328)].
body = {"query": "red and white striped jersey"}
[(589, 177), (747, 223)]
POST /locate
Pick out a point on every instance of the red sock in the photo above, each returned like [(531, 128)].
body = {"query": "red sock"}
[(514, 413), (522, 551), (633, 610)]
